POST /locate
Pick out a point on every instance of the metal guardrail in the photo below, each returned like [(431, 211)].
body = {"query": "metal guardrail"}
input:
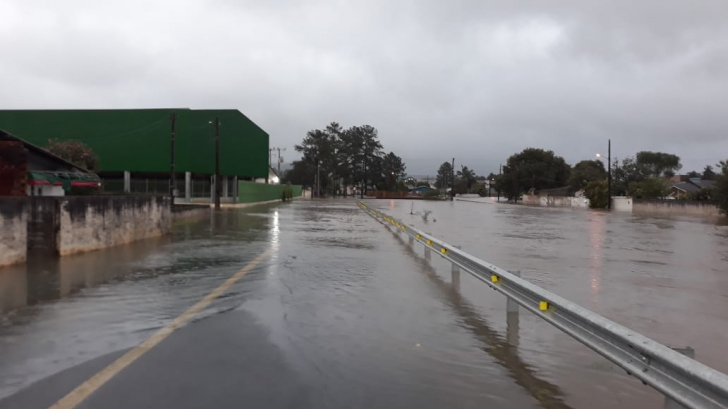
[(682, 379)]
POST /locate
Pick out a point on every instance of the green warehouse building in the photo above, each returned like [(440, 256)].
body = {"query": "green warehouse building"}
[(134, 146)]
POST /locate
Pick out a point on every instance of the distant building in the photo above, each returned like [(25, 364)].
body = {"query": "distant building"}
[(27, 170), (682, 190), (134, 146), (420, 190)]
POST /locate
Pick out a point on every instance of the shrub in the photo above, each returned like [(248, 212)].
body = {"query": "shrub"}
[(75, 152), (597, 193)]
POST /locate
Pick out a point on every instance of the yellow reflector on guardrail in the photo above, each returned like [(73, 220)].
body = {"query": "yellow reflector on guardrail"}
[(494, 278), (543, 306), (443, 250)]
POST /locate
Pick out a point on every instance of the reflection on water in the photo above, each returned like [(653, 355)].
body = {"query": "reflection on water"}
[(58, 312), (504, 351), (366, 318)]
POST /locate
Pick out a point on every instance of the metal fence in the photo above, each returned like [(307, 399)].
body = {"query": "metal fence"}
[(680, 378)]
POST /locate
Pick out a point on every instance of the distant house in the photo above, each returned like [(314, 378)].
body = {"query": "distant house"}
[(559, 191), (28, 170), (420, 190), (682, 190)]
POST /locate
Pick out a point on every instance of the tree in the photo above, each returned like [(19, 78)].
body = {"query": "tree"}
[(597, 193), (625, 174), (652, 188), (301, 173), (468, 176), (75, 152), (371, 150), (693, 174), (444, 174), (585, 172), (318, 150), (393, 169), (720, 190), (657, 164), (532, 169), (708, 173)]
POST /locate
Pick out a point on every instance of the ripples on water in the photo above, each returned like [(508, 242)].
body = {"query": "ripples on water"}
[(366, 319)]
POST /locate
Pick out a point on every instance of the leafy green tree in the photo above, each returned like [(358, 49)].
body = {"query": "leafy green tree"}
[(585, 172), (393, 169), (597, 193), (444, 174), (318, 149), (720, 191), (652, 188), (708, 173), (532, 169), (656, 164), (301, 173), (624, 174)]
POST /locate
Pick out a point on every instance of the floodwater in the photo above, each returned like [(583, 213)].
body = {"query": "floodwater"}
[(368, 322)]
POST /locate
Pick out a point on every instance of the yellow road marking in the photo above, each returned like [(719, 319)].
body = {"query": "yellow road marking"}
[(83, 391)]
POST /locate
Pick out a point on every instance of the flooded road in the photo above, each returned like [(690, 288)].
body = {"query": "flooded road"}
[(345, 314)]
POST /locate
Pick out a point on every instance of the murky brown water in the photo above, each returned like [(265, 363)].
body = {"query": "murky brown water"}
[(368, 322)]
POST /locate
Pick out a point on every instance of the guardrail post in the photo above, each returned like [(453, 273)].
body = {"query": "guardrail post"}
[(690, 353), (512, 320), (511, 305), (455, 273), (428, 254)]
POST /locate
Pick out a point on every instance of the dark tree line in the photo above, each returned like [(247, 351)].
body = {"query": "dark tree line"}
[(335, 157)]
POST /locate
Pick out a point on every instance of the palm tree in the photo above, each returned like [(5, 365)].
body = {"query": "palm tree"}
[(468, 175)]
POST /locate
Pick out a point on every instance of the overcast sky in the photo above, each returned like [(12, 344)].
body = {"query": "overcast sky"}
[(475, 80)]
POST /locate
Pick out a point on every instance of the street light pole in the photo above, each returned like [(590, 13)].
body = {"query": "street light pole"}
[(217, 163), (609, 174), (452, 180)]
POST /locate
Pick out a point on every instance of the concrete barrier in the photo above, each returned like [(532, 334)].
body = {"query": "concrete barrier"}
[(555, 201), (675, 207), (94, 222), (251, 192), (13, 231)]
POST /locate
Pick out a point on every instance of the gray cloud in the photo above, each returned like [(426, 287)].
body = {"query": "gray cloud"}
[(477, 80)]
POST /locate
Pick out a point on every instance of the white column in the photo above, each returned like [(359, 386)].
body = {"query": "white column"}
[(235, 189), (127, 182), (224, 186), (188, 186)]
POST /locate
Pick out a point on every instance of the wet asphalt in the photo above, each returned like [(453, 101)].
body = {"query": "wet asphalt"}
[(342, 314)]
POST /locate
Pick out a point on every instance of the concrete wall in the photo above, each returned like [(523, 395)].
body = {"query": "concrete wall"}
[(94, 222), (555, 201), (251, 192), (45, 190), (675, 207), (622, 204), (13, 234), (43, 225)]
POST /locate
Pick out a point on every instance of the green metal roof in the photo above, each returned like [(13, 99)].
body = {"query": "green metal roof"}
[(138, 140)]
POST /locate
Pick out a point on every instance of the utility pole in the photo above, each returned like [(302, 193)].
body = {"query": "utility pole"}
[(609, 174), (500, 172), (279, 162), (217, 163), (318, 178), (452, 180), (172, 178)]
